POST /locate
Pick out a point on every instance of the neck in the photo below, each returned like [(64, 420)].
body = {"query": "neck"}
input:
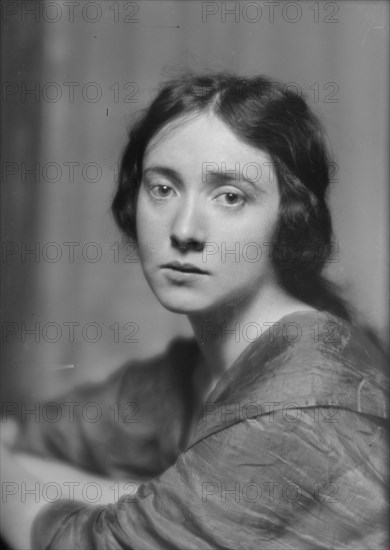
[(223, 334)]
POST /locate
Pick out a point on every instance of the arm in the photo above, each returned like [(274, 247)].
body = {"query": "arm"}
[(117, 444), (261, 483), (30, 482), (12, 508), (110, 428), (67, 427)]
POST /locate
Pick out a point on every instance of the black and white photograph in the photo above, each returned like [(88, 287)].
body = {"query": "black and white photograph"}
[(194, 275)]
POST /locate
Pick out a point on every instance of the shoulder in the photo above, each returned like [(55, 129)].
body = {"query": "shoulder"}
[(325, 360), (308, 359)]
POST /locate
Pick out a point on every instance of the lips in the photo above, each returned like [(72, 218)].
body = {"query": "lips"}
[(185, 267)]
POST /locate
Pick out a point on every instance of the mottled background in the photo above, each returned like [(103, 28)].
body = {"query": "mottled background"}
[(74, 74)]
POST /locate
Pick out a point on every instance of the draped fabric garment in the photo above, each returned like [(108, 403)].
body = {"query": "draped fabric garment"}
[(289, 451)]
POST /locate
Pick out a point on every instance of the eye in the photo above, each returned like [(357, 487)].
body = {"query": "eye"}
[(160, 191), (231, 199)]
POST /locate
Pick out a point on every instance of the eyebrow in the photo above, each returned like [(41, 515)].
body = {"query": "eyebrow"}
[(208, 177), (163, 171)]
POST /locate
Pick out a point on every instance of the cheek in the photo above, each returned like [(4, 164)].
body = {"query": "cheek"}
[(141, 212), (144, 228), (245, 249), (151, 233), (144, 215), (252, 233)]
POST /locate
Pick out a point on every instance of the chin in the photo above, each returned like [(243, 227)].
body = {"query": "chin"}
[(182, 304)]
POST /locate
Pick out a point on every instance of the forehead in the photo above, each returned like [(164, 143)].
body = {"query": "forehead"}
[(189, 142)]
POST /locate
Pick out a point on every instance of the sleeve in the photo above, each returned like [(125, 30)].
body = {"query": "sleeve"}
[(109, 428), (271, 482)]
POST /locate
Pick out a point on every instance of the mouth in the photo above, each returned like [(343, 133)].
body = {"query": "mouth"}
[(184, 268)]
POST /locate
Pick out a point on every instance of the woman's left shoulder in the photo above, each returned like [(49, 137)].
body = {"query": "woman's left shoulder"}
[(335, 340), (311, 358), (333, 361)]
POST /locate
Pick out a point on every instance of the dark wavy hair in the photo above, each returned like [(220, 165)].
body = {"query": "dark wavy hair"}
[(266, 115)]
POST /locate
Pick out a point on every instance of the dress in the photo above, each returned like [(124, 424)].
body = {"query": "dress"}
[(289, 451)]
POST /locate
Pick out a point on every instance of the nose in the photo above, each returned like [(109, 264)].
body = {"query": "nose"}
[(187, 230)]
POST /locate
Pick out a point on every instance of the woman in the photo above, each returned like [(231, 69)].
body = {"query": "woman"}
[(267, 431)]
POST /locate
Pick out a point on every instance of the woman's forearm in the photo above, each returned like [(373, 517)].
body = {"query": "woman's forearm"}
[(72, 483), (19, 506), (29, 483)]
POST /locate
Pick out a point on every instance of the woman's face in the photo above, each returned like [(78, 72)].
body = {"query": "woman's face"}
[(209, 200)]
